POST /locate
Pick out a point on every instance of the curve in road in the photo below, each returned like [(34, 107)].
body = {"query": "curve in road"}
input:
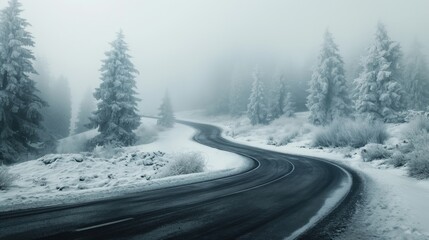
[(277, 198)]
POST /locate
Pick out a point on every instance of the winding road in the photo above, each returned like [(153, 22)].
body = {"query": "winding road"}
[(276, 198)]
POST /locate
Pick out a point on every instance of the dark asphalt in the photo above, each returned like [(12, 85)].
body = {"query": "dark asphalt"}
[(277, 196)]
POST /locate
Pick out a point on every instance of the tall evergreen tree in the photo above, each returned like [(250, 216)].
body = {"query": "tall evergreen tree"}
[(20, 118), (379, 94), (116, 115), (328, 96), (416, 79), (166, 115), (256, 109), (86, 107)]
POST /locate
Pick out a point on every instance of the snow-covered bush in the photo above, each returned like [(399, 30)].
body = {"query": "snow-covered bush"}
[(283, 139), (374, 151), (418, 165), (184, 163), (6, 178), (354, 133), (398, 159), (418, 125)]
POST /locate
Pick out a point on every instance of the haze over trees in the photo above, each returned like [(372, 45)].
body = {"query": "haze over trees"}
[(257, 107), (116, 115), (166, 115), (416, 79), (282, 103), (86, 107), (237, 93), (58, 118), (20, 105)]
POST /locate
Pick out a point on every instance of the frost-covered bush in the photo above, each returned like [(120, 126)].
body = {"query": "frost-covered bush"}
[(354, 133), (375, 151), (284, 139), (418, 125), (184, 163), (398, 159), (6, 178), (418, 165), (417, 134)]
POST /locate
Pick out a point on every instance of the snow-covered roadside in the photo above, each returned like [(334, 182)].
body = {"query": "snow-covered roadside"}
[(395, 204), (70, 178)]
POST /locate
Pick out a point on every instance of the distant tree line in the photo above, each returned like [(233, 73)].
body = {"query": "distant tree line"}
[(386, 86)]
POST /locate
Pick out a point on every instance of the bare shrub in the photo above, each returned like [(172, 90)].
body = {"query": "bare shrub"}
[(418, 165), (398, 159), (375, 151), (184, 163)]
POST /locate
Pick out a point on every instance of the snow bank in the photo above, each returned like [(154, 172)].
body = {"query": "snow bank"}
[(76, 177)]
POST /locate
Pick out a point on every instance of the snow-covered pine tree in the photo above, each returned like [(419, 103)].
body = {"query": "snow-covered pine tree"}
[(116, 115), (416, 79), (87, 106), (256, 109), (166, 115), (379, 94), (328, 96), (20, 118)]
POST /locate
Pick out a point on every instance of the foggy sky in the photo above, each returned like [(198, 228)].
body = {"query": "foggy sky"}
[(175, 43)]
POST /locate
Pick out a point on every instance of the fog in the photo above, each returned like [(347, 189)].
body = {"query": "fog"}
[(179, 44)]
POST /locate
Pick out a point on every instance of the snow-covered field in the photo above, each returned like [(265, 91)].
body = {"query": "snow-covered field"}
[(76, 177), (396, 206)]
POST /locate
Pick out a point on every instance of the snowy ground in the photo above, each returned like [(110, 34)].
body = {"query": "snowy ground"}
[(76, 177), (396, 206)]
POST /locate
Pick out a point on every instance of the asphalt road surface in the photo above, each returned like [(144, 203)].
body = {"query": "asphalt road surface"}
[(276, 197)]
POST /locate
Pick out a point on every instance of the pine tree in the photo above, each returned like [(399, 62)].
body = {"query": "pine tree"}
[(20, 118), (416, 80), (328, 96), (379, 94), (116, 115), (87, 106), (256, 109), (166, 116)]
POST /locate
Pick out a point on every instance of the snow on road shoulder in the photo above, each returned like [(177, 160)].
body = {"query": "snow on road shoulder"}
[(75, 177), (395, 205)]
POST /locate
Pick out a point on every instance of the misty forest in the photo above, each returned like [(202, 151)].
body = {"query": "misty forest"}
[(158, 114)]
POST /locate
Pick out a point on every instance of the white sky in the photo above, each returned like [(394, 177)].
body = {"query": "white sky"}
[(175, 42)]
